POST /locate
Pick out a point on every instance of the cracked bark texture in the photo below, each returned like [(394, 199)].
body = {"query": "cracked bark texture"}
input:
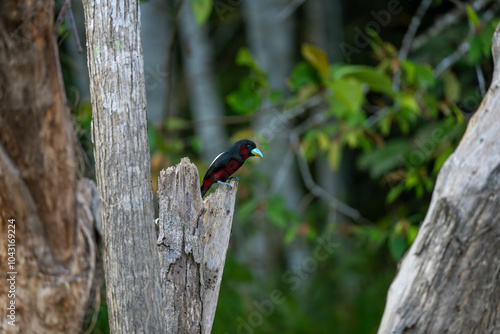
[(192, 243), (122, 160), (55, 246), (449, 280)]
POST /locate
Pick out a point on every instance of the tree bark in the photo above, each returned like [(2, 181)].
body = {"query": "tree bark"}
[(448, 282), (122, 160), (193, 238), (54, 248)]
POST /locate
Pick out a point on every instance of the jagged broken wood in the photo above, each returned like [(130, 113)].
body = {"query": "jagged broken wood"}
[(193, 238), (448, 281)]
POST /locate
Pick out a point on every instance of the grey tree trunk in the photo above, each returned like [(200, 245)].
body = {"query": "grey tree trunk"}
[(45, 212), (122, 160), (171, 286), (205, 103), (448, 282), (193, 239), (158, 32), (271, 38), (325, 30)]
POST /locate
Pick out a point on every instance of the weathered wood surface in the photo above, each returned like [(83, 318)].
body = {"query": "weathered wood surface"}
[(449, 281), (193, 240), (123, 166), (54, 244)]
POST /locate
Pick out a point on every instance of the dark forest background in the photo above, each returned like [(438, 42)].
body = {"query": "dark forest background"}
[(355, 106)]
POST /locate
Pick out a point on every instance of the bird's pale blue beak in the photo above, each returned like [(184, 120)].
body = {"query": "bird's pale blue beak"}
[(256, 151)]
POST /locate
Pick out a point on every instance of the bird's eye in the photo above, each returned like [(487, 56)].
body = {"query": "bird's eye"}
[(248, 146)]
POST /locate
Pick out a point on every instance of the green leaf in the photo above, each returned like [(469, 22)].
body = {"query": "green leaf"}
[(201, 10), (385, 158), (410, 71), (425, 77), (303, 74), (412, 234), (385, 125), (275, 96), (471, 14), (376, 80), (176, 123), (441, 159), (451, 86), (290, 234), (397, 245), (394, 193), (334, 154), (316, 57), (349, 92), (245, 58), (246, 99)]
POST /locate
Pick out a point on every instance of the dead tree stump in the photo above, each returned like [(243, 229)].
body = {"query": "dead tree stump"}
[(193, 238)]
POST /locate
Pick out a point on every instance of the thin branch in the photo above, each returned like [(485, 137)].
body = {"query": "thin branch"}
[(444, 22), (72, 27), (377, 116), (282, 171), (480, 80), (413, 27), (292, 112), (318, 191), (286, 12), (408, 38), (66, 11), (449, 61)]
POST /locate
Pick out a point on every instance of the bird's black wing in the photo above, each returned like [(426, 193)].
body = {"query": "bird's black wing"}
[(219, 163)]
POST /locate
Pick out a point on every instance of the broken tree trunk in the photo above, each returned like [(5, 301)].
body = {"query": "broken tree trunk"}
[(448, 281), (193, 240)]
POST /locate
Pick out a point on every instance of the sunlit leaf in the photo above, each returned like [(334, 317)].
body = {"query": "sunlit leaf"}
[(451, 86), (412, 234), (375, 79), (349, 91), (334, 153), (471, 14), (394, 193), (201, 10), (316, 57)]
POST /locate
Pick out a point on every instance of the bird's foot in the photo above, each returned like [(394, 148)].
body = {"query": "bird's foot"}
[(226, 183), (234, 177)]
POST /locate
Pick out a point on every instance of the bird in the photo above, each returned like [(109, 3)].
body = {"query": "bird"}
[(228, 162)]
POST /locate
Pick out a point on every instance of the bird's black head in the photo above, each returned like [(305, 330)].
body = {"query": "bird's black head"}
[(245, 148)]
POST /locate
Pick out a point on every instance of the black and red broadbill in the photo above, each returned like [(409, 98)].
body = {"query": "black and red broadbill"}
[(226, 163)]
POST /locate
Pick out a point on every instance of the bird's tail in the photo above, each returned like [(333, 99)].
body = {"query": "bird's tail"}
[(205, 186)]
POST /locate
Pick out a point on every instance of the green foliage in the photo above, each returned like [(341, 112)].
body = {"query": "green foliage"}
[(201, 10), (480, 45), (252, 89)]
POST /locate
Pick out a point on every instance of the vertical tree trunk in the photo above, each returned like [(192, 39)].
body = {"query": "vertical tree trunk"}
[(122, 159), (54, 248), (193, 239), (448, 281), (205, 103), (271, 40)]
